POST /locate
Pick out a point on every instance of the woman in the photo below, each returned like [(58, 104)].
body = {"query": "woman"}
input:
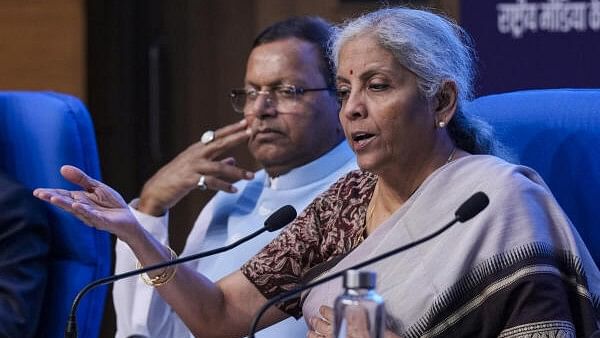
[(517, 268)]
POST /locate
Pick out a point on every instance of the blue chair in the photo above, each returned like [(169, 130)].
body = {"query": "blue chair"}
[(39, 132), (556, 132)]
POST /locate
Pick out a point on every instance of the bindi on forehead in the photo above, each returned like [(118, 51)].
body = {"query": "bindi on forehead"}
[(351, 72)]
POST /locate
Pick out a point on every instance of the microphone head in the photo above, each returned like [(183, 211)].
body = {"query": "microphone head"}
[(471, 207), (280, 218)]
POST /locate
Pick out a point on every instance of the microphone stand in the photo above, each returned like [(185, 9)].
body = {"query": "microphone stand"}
[(280, 218), (71, 331)]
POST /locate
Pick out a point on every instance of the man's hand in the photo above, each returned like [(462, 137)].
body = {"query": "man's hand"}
[(180, 176)]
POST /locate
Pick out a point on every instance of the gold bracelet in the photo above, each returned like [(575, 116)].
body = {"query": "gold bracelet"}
[(162, 278)]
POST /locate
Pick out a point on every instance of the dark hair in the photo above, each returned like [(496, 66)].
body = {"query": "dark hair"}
[(311, 29)]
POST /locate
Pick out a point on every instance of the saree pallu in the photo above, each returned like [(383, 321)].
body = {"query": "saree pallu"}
[(518, 269)]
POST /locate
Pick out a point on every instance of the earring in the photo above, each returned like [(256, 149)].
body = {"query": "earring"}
[(441, 124)]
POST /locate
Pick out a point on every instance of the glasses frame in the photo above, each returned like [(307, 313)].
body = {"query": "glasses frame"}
[(270, 93)]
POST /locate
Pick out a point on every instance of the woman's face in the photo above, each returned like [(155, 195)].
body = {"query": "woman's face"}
[(387, 122)]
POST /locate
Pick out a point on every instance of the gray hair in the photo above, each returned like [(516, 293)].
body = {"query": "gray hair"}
[(436, 50)]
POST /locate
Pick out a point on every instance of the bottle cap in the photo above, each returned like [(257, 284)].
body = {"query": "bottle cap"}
[(354, 279)]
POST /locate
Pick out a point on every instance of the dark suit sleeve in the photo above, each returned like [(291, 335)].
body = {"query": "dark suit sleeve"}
[(24, 243)]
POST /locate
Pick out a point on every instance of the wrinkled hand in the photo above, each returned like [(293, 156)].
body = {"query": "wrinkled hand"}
[(180, 176), (98, 205)]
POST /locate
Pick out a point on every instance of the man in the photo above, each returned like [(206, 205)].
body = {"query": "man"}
[(24, 239), (291, 128)]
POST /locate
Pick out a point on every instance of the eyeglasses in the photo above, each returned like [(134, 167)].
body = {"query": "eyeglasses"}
[(284, 97)]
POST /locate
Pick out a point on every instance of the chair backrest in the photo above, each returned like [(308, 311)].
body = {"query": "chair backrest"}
[(39, 132), (557, 133)]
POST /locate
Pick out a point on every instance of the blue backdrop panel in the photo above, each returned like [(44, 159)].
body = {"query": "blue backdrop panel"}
[(534, 44)]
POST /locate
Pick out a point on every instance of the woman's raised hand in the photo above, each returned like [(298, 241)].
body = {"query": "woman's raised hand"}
[(98, 205)]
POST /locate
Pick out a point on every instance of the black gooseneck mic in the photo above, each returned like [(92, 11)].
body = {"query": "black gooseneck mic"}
[(276, 221), (471, 207)]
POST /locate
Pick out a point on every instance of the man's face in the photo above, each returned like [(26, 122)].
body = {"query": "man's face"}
[(285, 137)]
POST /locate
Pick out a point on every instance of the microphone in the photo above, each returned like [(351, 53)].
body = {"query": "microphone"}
[(469, 209), (280, 218)]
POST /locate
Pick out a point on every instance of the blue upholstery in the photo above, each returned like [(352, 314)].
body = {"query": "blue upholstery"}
[(39, 132), (556, 132)]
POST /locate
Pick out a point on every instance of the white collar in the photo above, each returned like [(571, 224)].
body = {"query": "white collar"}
[(312, 171)]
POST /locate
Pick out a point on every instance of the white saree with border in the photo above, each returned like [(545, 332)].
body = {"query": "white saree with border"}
[(518, 269)]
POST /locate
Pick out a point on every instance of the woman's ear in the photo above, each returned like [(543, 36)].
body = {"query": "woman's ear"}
[(446, 102)]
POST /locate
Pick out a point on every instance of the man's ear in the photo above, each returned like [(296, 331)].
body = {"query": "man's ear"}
[(446, 101)]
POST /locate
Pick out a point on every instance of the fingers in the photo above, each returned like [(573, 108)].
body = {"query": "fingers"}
[(229, 161), (221, 175), (327, 313), (218, 176), (315, 334), (215, 183), (80, 205), (64, 199), (59, 197), (226, 138), (86, 213), (231, 128), (182, 174), (322, 326), (77, 176)]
